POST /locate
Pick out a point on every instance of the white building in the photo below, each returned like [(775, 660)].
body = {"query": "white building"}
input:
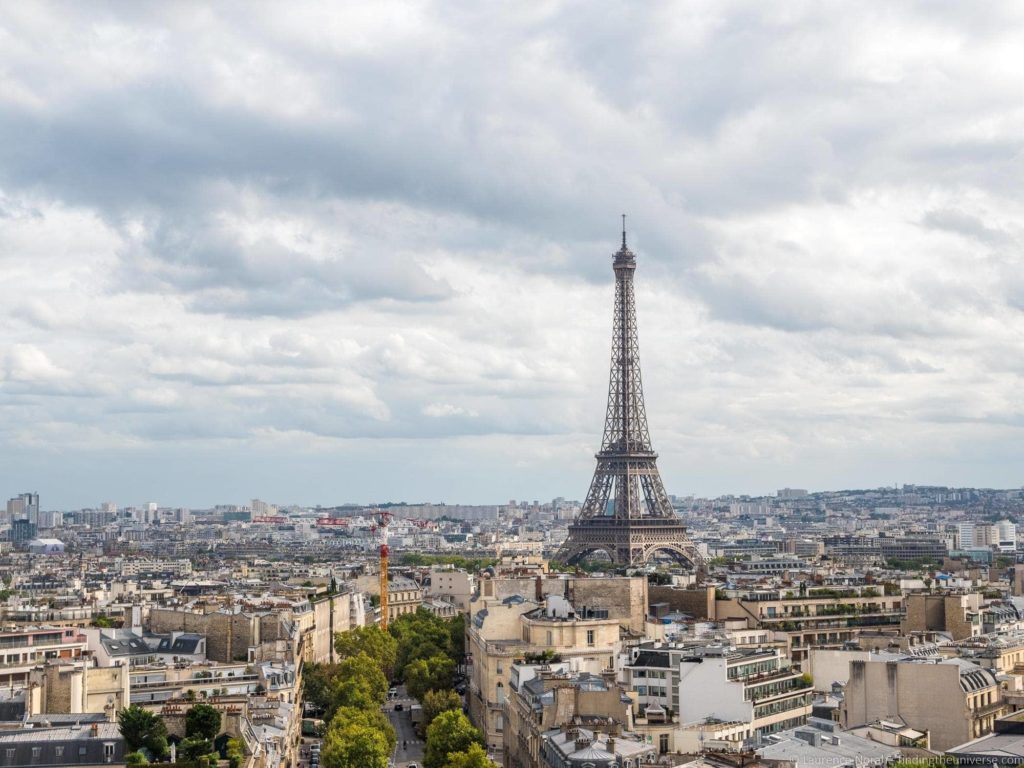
[(1007, 536)]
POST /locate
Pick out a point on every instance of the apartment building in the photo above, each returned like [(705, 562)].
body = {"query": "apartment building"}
[(952, 699), (504, 632), (959, 614), (156, 684), (451, 585), (544, 697), (748, 685), (23, 649), (74, 687), (821, 617)]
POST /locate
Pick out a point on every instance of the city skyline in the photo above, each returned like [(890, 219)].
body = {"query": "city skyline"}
[(314, 254)]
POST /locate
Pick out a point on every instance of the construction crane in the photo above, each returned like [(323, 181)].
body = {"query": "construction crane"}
[(383, 518)]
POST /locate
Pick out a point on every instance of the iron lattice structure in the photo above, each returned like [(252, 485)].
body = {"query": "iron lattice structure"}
[(627, 513)]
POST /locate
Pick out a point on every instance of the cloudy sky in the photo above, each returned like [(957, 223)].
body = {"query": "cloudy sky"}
[(316, 254)]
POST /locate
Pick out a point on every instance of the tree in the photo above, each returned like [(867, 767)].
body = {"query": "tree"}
[(354, 745), (141, 728), (358, 683), (194, 747), (457, 633), (373, 641), (317, 682), (135, 758), (203, 721), (474, 757), (420, 635), (450, 732), (235, 753), (436, 702), (371, 718), (433, 674)]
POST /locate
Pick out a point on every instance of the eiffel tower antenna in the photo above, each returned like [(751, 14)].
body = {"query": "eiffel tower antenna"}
[(627, 513)]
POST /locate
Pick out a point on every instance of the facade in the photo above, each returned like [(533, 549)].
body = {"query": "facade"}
[(76, 687), (503, 633), (544, 697), (453, 586), (951, 699), (22, 650), (817, 619), (751, 686), (404, 596), (98, 744), (958, 614)]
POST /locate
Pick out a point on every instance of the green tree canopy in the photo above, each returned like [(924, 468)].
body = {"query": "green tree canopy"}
[(203, 721), (364, 669), (420, 635), (374, 642), (141, 728), (434, 703), (354, 745), (371, 718), (194, 747), (317, 684), (474, 757), (433, 674), (450, 732), (457, 633)]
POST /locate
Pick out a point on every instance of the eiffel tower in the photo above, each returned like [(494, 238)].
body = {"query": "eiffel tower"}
[(627, 514)]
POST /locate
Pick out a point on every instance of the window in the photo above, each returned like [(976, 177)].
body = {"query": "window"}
[(108, 751), (590, 637), (10, 754), (550, 638), (36, 752), (58, 751), (663, 743)]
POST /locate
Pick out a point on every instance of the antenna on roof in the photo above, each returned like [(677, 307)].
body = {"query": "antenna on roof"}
[(623, 230)]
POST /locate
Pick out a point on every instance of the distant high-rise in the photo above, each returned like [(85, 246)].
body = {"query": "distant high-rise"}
[(24, 507), (627, 513)]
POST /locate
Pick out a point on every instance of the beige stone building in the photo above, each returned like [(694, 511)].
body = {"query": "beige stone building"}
[(958, 614), (543, 697), (74, 687), (514, 629), (404, 594), (616, 597), (453, 586), (819, 618), (953, 700)]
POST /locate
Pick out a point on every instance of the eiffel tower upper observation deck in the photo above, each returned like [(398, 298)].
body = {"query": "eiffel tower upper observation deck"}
[(627, 513)]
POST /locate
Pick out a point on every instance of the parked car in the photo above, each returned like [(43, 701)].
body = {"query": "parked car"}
[(399, 707)]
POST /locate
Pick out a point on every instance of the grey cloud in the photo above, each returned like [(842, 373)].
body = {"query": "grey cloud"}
[(314, 232), (962, 223)]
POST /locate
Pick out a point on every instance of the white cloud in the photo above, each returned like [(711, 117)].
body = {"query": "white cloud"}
[(382, 236)]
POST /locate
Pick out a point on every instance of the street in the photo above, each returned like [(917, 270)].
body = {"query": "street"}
[(412, 752)]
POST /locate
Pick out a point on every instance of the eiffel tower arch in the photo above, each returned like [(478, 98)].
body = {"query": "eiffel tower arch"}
[(627, 513)]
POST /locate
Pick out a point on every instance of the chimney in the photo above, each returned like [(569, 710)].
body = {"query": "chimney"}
[(94, 730), (582, 742), (611, 745)]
